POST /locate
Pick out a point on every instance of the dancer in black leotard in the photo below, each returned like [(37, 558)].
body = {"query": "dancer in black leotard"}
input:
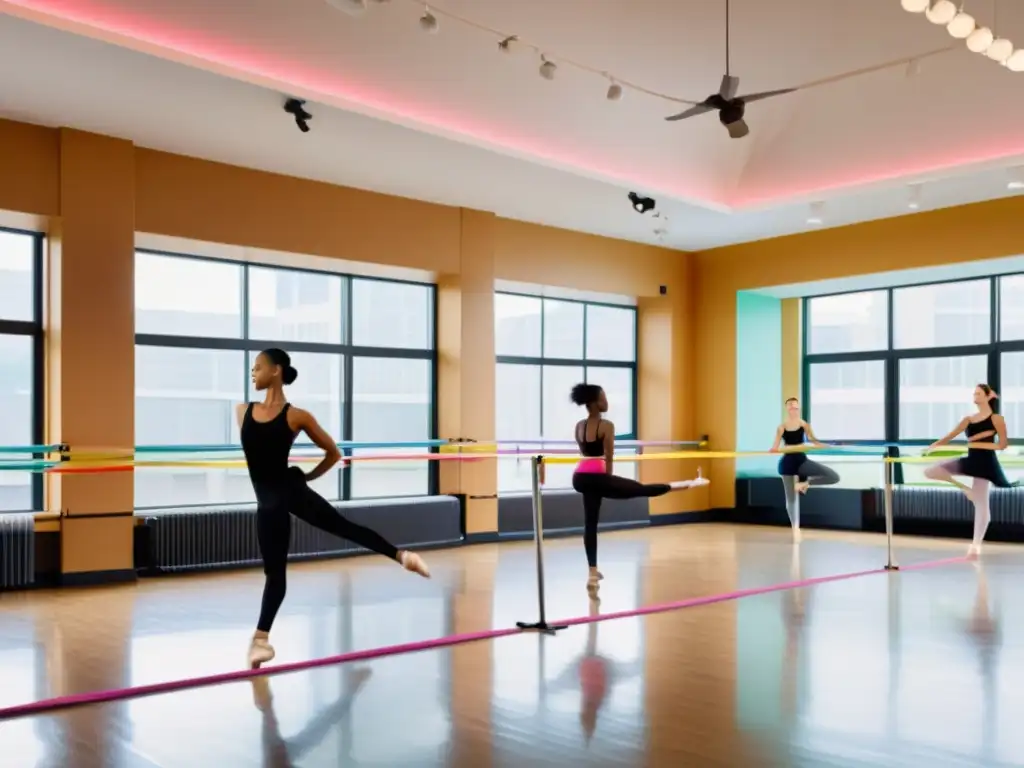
[(798, 472), (268, 431), (593, 477), (980, 462)]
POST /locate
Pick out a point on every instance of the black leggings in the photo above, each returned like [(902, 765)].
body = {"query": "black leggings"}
[(595, 486), (274, 528)]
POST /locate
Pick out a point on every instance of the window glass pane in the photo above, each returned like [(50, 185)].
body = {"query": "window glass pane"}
[(319, 389), (936, 392), (179, 296), (517, 325), (1011, 308), (393, 315), (849, 322), (942, 315), (611, 333), (17, 294), (517, 409), (560, 415), (188, 397), (563, 329), (285, 305), (391, 403), (16, 368), (1011, 396), (617, 384), (848, 400)]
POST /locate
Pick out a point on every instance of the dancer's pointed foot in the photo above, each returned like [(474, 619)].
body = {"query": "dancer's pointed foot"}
[(260, 652), (974, 551), (680, 485), (414, 563), (802, 487), (593, 579), (797, 536)]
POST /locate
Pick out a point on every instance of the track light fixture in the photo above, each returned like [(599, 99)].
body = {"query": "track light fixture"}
[(296, 109), (641, 204), (428, 22), (547, 68)]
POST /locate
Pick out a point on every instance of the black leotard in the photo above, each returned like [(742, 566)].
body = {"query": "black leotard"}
[(266, 445), (982, 462), (790, 463)]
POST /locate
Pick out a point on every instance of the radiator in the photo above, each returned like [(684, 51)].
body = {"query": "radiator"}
[(949, 505), (189, 540), (17, 551)]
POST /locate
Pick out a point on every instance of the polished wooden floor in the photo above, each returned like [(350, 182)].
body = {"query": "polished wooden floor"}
[(919, 669)]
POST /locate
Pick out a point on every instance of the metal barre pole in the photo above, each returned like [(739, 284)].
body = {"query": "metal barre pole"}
[(889, 473), (538, 537)]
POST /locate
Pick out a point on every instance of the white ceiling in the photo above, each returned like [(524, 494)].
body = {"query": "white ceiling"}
[(446, 118)]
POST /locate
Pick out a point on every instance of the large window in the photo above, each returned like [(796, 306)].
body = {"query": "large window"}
[(21, 340), (900, 365), (364, 349), (544, 346)]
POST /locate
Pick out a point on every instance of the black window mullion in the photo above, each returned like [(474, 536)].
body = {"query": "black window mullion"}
[(38, 368), (347, 388)]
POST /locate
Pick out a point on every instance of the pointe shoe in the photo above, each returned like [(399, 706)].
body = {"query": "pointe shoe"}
[(974, 552), (414, 563), (594, 580), (260, 652)]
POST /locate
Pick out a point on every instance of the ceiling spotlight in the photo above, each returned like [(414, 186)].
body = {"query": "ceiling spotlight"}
[(941, 12), (547, 69), (1000, 50), (295, 108), (961, 26), (1016, 61), (1016, 178), (428, 22), (914, 197), (817, 214), (915, 6), (980, 39), (614, 92), (351, 7), (641, 204)]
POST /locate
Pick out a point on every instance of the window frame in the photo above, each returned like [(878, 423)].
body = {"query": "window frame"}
[(34, 329), (541, 361), (348, 352), (891, 356)]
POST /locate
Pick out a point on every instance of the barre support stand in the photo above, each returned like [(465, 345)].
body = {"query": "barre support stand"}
[(538, 537), (889, 477)]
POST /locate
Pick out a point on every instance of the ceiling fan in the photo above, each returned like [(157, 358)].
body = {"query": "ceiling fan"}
[(731, 107)]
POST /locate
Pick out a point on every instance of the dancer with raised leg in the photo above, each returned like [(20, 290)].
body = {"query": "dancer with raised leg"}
[(798, 472), (980, 463), (268, 430), (593, 478)]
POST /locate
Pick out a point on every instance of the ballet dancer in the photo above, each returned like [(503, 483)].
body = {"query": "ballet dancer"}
[(268, 430), (593, 478), (980, 463), (798, 472)]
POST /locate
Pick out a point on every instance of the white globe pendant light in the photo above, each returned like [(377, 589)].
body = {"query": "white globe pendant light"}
[(941, 12), (914, 6), (980, 39), (961, 26)]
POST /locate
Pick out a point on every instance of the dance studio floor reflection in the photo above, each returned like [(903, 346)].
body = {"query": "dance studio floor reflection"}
[(915, 669)]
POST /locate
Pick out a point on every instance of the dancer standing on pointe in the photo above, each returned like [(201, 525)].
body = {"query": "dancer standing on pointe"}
[(798, 472), (593, 477), (268, 430), (980, 462)]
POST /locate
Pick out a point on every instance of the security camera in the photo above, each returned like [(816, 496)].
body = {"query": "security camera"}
[(641, 204), (295, 108)]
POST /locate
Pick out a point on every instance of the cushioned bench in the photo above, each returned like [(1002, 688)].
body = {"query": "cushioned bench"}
[(189, 538)]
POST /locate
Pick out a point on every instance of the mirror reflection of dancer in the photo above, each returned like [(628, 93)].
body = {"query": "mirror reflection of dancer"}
[(268, 430), (593, 478), (980, 462), (798, 472)]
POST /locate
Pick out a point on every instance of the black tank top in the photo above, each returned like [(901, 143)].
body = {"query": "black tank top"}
[(589, 448), (976, 428), (266, 445), (793, 436)]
